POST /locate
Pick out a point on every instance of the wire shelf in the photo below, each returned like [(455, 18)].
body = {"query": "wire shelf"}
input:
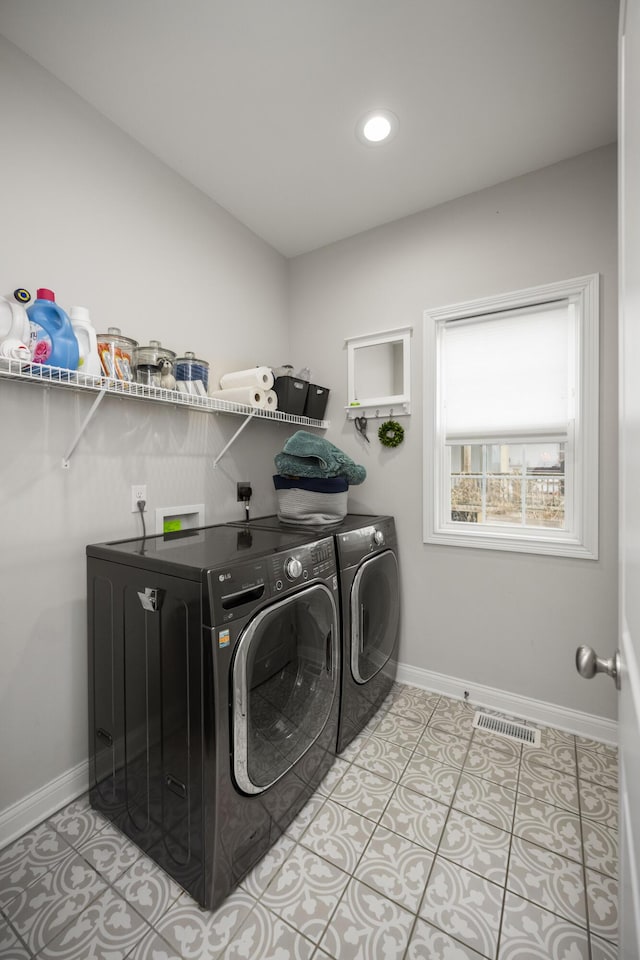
[(74, 380)]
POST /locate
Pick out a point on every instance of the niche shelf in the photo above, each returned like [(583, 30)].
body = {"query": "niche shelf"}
[(105, 386)]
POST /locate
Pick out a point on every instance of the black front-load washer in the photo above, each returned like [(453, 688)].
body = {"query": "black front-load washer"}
[(214, 671), (367, 558)]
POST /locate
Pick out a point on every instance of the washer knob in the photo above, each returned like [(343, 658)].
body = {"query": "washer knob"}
[(378, 538), (293, 568)]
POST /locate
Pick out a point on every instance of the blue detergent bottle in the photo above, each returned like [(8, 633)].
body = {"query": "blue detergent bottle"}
[(53, 341)]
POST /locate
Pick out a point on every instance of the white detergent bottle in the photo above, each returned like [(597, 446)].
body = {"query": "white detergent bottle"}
[(89, 362), (14, 331)]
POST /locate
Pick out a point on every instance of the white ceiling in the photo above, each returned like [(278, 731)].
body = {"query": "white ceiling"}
[(256, 101)]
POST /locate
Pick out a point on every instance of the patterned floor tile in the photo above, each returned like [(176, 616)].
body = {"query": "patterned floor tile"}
[(415, 706), (27, 859), (597, 746), (427, 943), (602, 902), (603, 949), (415, 817), (110, 852), (557, 754), (338, 769), (547, 879), (256, 882), (488, 739), (153, 947), (339, 835), (486, 801), (148, 888), (298, 826), (367, 925), (599, 803), (264, 936), (554, 735), (491, 764), (464, 905), (433, 779), (305, 892), (548, 826), (531, 932), (442, 746), (551, 786), (477, 846), (108, 928), (352, 750), (197, 934), (403, 732), (453, 716), (77, 822), (48, 905), (396, 868), (598, 767), (363, 792), (600, 848), (11, 947), (384, 758)]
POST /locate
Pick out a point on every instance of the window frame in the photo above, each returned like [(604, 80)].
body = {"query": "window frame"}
[(580, 538)]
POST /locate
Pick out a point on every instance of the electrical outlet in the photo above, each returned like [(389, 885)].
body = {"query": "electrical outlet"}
[(138, 492)]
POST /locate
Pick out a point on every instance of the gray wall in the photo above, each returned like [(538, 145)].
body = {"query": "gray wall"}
[(505, 620), (92, 215)]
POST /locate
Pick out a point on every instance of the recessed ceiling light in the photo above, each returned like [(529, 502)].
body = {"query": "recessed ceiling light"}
[(377, 126)]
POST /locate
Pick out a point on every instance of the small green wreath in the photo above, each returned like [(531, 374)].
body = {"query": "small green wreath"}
[(390, 433)]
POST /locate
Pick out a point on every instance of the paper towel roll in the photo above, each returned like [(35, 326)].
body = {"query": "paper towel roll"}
[(251, 396), (271, 400), (255, 377)]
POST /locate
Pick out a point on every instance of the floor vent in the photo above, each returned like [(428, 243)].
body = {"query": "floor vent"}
[(519, 732)]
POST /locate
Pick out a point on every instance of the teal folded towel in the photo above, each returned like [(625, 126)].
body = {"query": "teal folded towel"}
[(307, 455)]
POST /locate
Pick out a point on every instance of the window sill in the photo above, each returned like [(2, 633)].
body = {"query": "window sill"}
[(554, 546)]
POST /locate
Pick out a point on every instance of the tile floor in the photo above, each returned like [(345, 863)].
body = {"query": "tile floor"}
[(427, 841)]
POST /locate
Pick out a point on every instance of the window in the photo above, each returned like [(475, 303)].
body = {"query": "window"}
[(511, 421)]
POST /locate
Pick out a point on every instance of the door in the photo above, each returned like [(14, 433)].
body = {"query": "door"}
[(629, 703), (285, 679), (375, 613)]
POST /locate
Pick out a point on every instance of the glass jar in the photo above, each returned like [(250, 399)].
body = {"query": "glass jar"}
[(116, 352)]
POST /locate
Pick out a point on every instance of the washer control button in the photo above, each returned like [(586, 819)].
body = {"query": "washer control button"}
[(305, 574), (378, 538), (293, 568), (278, 584)]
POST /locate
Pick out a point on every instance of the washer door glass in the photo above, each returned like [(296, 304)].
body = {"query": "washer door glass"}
[(375, 613), (285, 678)]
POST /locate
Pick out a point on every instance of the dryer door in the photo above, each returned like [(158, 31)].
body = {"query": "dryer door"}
[(285, 678), (375, 613)]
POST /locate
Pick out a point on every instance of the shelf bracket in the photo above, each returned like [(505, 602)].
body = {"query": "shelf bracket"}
[(85, 423), (233, 438)]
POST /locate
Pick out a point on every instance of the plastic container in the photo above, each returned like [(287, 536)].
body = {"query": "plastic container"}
[(116, 354), (316, 402), (53, 341), (151, 362), (15, 332), (192, 375), (89, 362), (292, 394)]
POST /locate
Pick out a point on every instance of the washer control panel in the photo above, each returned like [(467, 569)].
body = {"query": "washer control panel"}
[(316, 560)]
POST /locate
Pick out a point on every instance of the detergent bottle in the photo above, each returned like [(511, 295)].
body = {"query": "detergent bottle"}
[(53, 341), (15, 332), (84, 330)]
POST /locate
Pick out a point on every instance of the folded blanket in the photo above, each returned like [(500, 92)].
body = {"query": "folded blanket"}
[(307, 455)]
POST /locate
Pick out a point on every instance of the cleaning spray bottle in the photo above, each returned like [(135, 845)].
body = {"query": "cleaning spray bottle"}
[(84, 330), (15, 332), (53, 341)]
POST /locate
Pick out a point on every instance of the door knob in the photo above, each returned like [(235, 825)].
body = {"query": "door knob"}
[(588, 663)]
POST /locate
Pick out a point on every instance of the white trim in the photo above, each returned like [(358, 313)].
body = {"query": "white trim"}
[(538, 711), (43, 802), (581, 540)]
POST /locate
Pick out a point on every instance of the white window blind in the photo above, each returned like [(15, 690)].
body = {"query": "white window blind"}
[(509, 374)]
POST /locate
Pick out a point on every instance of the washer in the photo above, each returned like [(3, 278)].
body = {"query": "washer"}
[(366, 553), (214, 693)]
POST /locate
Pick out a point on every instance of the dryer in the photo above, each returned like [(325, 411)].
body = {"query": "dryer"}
[(367, 558), (214, 693)]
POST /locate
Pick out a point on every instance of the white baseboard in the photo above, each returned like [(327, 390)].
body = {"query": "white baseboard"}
[(42, 803), (538, 711)]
